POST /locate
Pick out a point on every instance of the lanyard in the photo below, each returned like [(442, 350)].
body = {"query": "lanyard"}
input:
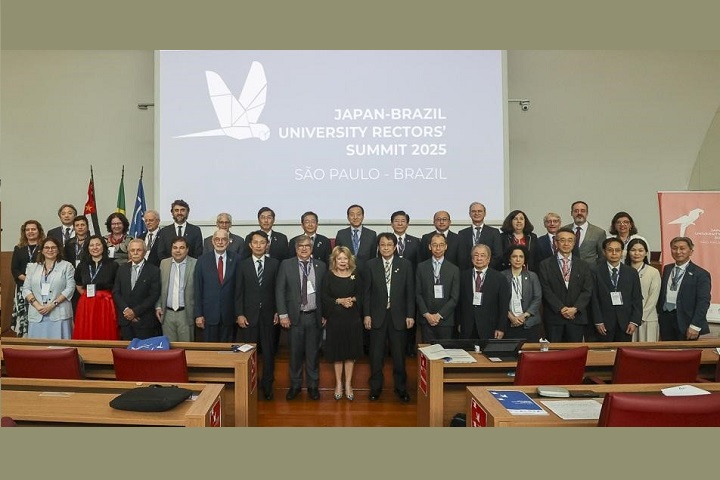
[(93, 275)]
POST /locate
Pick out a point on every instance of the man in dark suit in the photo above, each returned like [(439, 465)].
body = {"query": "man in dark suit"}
[(408, 247), (361, 241), (321, 243), (546, 243), (684, 295), (152, 223), (484, 298), (299, 307), (479, 233), (215, 276), (389, 307), (67, 213), (437, 290), (617, 296), (136, 291), (255, 305), (442, 222), (180, 228), (277, 242), (236, 245), (567, 289)]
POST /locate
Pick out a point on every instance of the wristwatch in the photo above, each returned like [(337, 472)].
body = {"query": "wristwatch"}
[(55, 303)]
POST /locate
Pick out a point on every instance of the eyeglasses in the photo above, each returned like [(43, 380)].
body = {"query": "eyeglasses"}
[(565, 240), (622, 222), (303, 245), (442, 219), (47, 247)]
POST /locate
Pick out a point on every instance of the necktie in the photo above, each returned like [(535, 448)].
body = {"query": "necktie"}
[(267, 247), (478, 281), (260, 272), (388, 267), (179, 231), (677, 274), (614, 277), (221, 273), (436, 271), (577, 236), (67, 234), (401, 246), (134, 276), (477, 234), (553, 247), (355, 241), (566, 269), (303, 286), (150, 241), (175, 301)]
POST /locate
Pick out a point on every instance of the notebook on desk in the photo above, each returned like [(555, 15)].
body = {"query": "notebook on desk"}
[(504, 349)]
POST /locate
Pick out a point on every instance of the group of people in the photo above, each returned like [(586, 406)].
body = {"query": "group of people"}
[(366, 294)]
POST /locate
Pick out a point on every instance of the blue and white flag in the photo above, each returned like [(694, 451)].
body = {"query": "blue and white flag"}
[(137, 224)]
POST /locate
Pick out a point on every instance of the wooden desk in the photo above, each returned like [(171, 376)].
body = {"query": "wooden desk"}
[(441, 386), (88, 402), (483, 409), (207, 363)]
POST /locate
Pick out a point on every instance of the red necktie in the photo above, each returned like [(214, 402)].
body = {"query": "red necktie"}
[(221, 277), (577, 236), (478, 281)]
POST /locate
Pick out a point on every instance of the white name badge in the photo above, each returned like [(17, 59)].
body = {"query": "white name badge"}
[(516, 306), (477, 298), (439, 292), (671, 296), (90, 290), (111, 252), (310, 288), (45, 289), (616, 298)]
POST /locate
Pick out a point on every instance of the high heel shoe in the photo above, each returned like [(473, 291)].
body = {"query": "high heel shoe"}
[(338, 396), (350, 396)]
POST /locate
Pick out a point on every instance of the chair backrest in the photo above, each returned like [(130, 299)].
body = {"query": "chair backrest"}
[(636, 365), (7, 422), (58, 363), (650, 410), (558, 367), (150, 365)]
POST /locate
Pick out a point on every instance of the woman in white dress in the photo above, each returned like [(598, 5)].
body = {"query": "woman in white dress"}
[(637, 257)]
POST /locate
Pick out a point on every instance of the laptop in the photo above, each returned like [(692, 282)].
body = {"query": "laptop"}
[(504, 349)]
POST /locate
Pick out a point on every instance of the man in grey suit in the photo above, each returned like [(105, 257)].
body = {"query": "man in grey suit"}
[(299, 307), (437, 290), (361, 241), (236, 245), (588, 237), (176, 305)]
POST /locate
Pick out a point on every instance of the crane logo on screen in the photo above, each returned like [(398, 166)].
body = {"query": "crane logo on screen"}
[(238, 117)]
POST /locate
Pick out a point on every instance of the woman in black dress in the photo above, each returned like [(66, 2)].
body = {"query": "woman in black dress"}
[(341, 307), (31, 234)]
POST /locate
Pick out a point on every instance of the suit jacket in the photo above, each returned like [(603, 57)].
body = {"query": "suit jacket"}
[(253, 299), (189, 293), (368, 243), (492, 314), (141, 299), (236, 245), (425, 291), (556, 295), (57, 234), (489, 236), (321, 247), (531, 240), (629, 287), (402, 292), (288, 293), (412, 250), (213, 300), (62, 281), (591, 247), (453, 245), (693, 299), (531, 296), (544, 249), (191, 233), (152, 256), (278, 246), (71, 254)]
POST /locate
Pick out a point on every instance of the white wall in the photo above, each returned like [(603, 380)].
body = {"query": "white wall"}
[(609, 127)]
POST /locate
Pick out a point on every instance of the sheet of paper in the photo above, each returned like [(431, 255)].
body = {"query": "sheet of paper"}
[(683, 391), (433, 352), (575, 409), (458, 355)]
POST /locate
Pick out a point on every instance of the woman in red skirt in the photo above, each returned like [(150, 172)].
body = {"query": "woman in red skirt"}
[(95, 318)]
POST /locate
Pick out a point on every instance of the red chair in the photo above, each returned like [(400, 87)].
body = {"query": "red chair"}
[(7, 422), (636, 365), (643, 410), (559, 367), (58, 363), (150, 366)]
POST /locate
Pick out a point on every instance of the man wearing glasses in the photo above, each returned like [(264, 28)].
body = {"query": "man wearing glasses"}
[(277, 242), (321, 244), (236, 244)]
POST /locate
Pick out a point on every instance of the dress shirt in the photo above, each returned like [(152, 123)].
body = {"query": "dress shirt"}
[(177, 269)]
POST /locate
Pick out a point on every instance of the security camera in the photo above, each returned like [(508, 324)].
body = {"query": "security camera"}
[(525, 106)]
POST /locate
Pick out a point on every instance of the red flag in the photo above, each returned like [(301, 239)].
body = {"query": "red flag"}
[(91, 207)]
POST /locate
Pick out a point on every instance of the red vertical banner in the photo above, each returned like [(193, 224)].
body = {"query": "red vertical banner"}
[(216, 414), (423, 374), (695, 215), (479, 416)]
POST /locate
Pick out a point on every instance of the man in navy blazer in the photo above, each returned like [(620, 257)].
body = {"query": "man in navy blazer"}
[(478, 233), (152, 223), (135, 304), (617, 296), (321, 244), (277, 242), (437, 289), (684, 295), (215, 276), (255, 305), (66, 213), (367, 245), (180, 228), (442, 222), (236, 243)]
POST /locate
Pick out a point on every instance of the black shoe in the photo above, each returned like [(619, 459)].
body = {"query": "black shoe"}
[(375, 395), (314, 393), (292, 393), (403, 395), (268, 394)]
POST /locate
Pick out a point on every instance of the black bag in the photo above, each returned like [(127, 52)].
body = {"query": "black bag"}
[(153, 398), (459, 420)]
